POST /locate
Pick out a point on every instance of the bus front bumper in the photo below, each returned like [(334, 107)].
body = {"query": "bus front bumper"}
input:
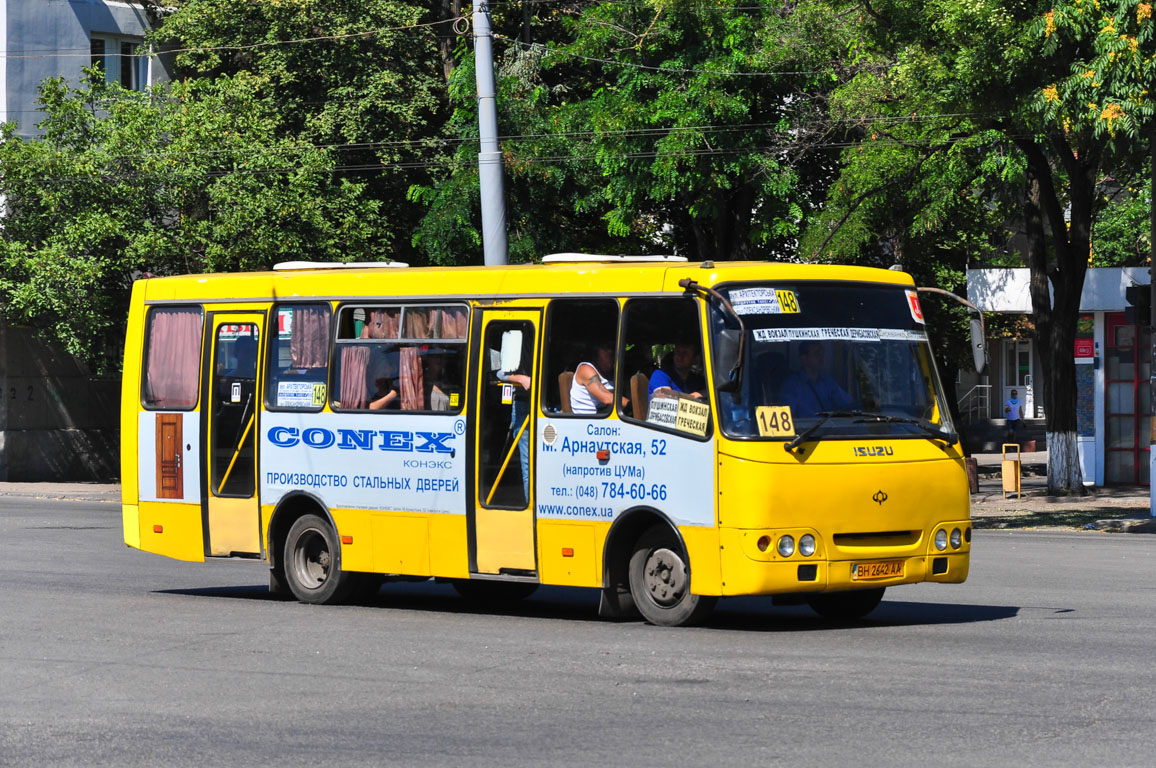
[(750, 569)]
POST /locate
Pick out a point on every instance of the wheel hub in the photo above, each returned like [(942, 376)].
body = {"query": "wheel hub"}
[(665, 576), (312, 561)]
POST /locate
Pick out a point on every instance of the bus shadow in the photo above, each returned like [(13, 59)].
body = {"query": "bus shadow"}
[(752, 614), (759, 615)]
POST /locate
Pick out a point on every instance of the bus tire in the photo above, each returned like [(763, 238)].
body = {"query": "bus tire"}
[(660, 581), (846, 605), (311, 562)]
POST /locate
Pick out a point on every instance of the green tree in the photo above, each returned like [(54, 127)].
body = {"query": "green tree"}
[(364, 77), (659, 126), (191, 177)]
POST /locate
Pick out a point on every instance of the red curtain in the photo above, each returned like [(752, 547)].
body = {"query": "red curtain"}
[(309, 344), (172, 370), (354, 365), (412, 392)]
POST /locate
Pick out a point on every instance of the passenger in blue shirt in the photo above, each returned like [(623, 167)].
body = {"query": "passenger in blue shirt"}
[(677, 374), (810, 391)]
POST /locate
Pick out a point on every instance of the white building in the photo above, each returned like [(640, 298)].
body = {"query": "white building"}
[(50, 38), (1113, 360)]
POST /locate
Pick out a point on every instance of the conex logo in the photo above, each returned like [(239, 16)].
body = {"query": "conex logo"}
[(363, 439), (874, 450)]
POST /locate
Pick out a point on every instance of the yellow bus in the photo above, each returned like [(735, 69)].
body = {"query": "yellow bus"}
[(666, 432)]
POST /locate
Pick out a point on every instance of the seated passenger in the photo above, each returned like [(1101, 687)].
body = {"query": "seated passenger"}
[(677, 374), (810, 391), (592, 390)]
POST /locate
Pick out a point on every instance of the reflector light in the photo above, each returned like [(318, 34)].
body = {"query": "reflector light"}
[(346, 539), (604, 454), (158, 529), (567, 552)]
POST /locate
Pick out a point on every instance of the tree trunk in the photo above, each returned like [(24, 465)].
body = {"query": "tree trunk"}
[(1056, 313), (447, 36)]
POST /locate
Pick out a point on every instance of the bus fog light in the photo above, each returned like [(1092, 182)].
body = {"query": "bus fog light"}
[(806, 545), (956, 538), (941, 539), (763, 543), (786, 546)]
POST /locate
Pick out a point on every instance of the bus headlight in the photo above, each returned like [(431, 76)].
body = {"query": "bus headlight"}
[(956, 538), (786, 546), (806, 545), (941, 539)]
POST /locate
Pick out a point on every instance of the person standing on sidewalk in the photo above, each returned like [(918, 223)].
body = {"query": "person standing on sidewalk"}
[(1013, 410)]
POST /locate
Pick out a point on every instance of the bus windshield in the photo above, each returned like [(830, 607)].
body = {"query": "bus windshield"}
[(831, 360)]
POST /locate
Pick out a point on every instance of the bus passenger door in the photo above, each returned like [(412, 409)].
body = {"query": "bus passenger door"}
[(232, 509), (503, 525)]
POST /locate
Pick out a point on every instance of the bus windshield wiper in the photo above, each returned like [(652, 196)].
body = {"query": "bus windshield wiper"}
[(824, 417), (947, 438)]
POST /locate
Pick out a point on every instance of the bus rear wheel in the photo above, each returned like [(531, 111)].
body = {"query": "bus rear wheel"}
[(660, 581), (846, 605), (311, 562)]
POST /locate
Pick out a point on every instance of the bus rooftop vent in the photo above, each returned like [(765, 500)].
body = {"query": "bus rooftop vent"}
[(585, 258), (289, 266)]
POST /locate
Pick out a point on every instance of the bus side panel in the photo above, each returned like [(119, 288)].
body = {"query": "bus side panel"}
[(130, 405), (449, 546), (570, 553), (173, 530), (702, 547)]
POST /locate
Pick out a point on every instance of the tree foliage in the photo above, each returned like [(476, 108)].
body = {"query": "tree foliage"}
[(191, 177)]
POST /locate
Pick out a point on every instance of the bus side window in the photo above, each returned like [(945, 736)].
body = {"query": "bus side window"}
[(299, 358), (662, 358), (576, 329), (171, 376), (407, 358)]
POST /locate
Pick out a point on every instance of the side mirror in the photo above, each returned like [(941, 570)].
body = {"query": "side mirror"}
[(978, 345), (726, 353), (511, 355)]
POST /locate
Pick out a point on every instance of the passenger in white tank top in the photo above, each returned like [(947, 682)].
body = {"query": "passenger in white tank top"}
[(591, 390)]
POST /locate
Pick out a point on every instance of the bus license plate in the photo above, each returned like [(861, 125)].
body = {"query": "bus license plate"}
[(883, 569)]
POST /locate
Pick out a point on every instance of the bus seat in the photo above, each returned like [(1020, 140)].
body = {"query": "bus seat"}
[(565, 380), (639, 384)]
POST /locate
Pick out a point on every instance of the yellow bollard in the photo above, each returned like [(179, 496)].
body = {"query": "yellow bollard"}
[(1011, 471)]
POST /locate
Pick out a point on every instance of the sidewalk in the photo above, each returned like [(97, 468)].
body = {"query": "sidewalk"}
[(63, 491), (1115, 509)]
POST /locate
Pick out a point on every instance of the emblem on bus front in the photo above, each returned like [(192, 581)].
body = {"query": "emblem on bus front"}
[(879, 497)]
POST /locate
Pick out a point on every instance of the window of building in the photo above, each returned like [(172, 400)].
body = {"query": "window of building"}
[(409, 358), (120, 60)]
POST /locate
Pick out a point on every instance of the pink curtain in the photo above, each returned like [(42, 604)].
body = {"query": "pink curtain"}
[(412, 392), (172, 370), (454, 322), (353, 368), (381, 324), (309, 344)]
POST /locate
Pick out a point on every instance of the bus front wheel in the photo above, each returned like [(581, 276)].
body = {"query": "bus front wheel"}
[(846, 605), (660, 581), (311, 562)]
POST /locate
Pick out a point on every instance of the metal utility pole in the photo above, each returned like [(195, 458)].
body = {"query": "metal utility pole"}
[(494, 243), (1152, 322)]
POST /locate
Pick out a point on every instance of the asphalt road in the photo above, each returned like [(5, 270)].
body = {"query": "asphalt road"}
[(109, 656)]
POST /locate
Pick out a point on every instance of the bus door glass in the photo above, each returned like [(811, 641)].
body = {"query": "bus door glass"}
[(504, 516), (233, 524)]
